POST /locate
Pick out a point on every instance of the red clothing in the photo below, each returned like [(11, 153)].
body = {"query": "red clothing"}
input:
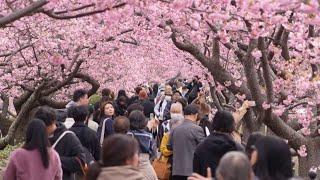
[(27, 165)]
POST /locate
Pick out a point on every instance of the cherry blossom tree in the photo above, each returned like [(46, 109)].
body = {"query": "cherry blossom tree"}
[(266, 51), (74, 45)]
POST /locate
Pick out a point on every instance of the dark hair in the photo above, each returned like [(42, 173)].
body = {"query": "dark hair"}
[(103, 104), (176, 91), (37, 138), (46, 114), (137, 89), (183, 102), (274, 159), (107, 95), (121, 125), (191, 110), (122, 99), (155, 89), (106, 92), (137, 120), (223, 122), (78, 113), (134, 106), (122, 92), (118, 148), (253, 138), (78, 94)]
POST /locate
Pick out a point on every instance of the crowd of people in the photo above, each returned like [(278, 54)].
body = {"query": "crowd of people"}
[(166, 131)]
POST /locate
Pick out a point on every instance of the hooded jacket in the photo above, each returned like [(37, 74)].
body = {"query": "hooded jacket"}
[(120, 173), (69, 148), (210, 151)]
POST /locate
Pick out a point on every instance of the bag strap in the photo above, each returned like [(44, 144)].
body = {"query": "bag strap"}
[(60, 137), (83, 165), (103, 131), (207, 132)]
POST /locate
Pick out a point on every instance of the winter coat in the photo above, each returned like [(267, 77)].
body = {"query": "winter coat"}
[(146, 168), (165, 152), (27, 165), (205, 124), (105, 129), (69, 149), (210, 151), (148, 107), (183, 141), (194, 88), (132, 100), (162, 110), (120, 173), (87, 138), (146, 142), (120, 109)]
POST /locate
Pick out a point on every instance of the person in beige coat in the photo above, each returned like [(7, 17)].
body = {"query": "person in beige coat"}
[(119, 160)]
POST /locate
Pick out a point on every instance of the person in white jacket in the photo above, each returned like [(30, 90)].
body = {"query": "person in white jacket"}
[(164, 104)]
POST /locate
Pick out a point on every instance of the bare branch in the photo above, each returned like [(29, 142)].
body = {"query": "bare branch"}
[(52, 14), (94, 83), (18, 102), (25, 109), (22, 12), (215, 98), (216, 70), (266, 70), (132, 41), (5, 106), (284, 45), (76, 9), (279, 127), (53, 103), (15, 51), (252, 76), (61, 84), (216, 50), (295, 105)]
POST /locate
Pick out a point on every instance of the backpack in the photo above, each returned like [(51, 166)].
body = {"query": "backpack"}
[(103, 130), (83, 165), (89, 157)]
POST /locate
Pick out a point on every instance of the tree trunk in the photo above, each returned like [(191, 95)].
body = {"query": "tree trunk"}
[(312, 159)]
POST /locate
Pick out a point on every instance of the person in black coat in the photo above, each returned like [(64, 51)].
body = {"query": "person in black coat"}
[(69, 148), (86, 135), (219, 142), (121, 105), (194, 88), (135, 98)]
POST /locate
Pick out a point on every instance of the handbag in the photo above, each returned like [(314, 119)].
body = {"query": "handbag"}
[(162, 168)]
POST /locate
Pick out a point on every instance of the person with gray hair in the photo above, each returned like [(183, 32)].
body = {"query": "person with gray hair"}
[(176, 112), (233, 166)]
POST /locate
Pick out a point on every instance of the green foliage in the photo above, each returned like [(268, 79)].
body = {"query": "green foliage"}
[(4, 154)]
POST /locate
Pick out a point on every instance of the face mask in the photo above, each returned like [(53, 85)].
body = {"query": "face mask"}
[(167, 98), (176, 116)]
